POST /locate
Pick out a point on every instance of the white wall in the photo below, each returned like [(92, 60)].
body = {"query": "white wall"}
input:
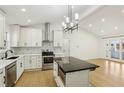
[(102, 48), (84, 45)]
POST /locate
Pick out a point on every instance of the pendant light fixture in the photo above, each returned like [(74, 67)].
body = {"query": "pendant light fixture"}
[(71, 21)]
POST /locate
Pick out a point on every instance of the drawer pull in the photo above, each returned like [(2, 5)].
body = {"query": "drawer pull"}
[(20, 64), (4, 79)]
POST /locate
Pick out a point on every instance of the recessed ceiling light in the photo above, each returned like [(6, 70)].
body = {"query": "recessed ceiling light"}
[(123, 11), (29, 20), (72, 6), (116, 28), (102, 31), (90, 25), (23, 10), (64, 16), (103, 20)]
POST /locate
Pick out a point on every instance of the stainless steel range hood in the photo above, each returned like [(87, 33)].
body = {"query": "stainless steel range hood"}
[(47, 34)]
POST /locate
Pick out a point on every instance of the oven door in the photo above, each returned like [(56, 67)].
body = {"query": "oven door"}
[(48, 60), (62, 75)]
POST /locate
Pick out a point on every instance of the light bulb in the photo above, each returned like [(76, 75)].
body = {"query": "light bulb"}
[(29, 20), (116, 28), (65, 26), (67, 20), (90, 25), (63, 23), (71, 24), (23, 10), (102, 31), (76, 16)]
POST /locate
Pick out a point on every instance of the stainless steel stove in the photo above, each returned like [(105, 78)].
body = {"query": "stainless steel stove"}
[(47, 60)]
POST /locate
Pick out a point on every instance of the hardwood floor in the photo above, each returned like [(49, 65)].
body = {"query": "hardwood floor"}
[(36, 79), (109, 74)]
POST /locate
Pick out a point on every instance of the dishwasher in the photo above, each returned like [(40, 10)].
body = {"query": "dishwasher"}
[(10, 72)]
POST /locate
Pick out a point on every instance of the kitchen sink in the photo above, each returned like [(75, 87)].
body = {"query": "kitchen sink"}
[(14, 57)]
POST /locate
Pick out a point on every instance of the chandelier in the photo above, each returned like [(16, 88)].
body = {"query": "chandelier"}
[(71, 21)]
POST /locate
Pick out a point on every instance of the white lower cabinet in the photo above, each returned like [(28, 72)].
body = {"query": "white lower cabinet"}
[(72, 79), (20, 67), (56, 77), (27, 62), (39, 62), (55, 69), (33, 61), (2, 77)]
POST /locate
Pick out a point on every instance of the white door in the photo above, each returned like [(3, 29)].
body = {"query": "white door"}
[(116, 49), (122, 50), (106, 49)]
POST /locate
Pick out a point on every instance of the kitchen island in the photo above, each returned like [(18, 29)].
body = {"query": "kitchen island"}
[(72, 72)]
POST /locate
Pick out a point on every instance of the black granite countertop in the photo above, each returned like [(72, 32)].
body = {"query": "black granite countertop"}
[(74, 64)]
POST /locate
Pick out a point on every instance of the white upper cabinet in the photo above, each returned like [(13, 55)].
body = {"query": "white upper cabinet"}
[(58, 38), (2, 29), (25, 37), (36, 37), (31, 37), (14, 35)]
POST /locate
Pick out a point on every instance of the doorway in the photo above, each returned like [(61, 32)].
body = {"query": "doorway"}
[(114, 49)]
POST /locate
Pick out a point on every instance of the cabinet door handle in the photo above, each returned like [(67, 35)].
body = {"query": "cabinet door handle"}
[(36, 44), (20, 64), (1, 72), (4, 79), (5, 42)]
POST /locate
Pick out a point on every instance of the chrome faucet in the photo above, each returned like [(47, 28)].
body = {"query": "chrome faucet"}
[(6, 53)]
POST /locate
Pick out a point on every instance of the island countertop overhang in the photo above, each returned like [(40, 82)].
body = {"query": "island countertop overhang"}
[(74, 65)]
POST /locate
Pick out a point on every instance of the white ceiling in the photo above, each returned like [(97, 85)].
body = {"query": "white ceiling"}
[(89, 14), (114, 17), (38, 13)]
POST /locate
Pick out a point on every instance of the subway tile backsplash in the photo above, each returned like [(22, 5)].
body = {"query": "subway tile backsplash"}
[(24, 50), (33, 50)]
